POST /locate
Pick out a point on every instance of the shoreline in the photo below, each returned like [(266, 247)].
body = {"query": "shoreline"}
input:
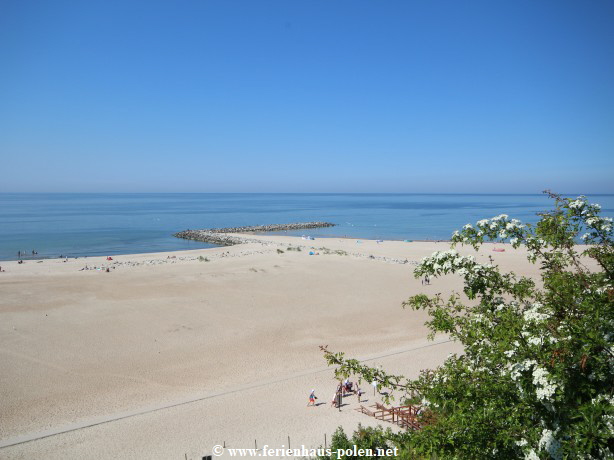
[(30, 258)]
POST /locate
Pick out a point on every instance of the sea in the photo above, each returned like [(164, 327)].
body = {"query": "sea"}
[(78, 225)]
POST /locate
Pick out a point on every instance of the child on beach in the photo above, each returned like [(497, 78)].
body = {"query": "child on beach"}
[(312, 398)]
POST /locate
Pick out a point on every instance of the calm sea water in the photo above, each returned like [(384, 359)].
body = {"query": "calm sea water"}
[(103, 224)]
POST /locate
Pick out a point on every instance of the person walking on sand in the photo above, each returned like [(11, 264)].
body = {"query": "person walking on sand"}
[(358, 392), (312, 398)]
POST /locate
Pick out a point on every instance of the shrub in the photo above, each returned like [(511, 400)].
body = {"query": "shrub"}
[(536, 378)]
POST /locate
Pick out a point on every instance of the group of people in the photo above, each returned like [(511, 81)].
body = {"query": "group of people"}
[(344, 389)]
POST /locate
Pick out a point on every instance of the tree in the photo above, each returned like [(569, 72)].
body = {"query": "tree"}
[(536, 378)]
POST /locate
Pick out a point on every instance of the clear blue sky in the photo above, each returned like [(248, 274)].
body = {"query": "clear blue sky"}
[(307, 96)]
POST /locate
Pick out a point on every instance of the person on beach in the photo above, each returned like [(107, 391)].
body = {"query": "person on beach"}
[(312, 398), (358, 392)]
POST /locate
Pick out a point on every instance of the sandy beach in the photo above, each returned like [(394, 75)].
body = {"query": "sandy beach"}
[(168, 354)]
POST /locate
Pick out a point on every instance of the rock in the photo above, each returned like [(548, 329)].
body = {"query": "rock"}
[(219, 235)]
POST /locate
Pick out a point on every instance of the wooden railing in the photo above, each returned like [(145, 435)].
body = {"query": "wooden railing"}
[(404, 416)]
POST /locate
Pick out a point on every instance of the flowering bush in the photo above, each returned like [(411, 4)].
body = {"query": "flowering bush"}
[(536, 378)]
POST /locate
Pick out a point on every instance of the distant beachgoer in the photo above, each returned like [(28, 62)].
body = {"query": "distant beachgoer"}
[(312, 398), (358, 392)]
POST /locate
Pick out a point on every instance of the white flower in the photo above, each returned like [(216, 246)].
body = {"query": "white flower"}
[(551, 444), (531, 455), (544, 387), (532, 313), (577, 204), (467, 226), (482, 223), (513, 241)]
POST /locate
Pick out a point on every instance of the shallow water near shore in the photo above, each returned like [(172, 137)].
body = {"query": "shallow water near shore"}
[(78, 225)]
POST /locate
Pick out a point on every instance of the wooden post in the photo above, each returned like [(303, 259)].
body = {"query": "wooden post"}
[(325, 440), (288, 441), (255, 444)]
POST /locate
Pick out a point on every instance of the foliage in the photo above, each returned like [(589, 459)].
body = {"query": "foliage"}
[(536, 379), (363, 438)]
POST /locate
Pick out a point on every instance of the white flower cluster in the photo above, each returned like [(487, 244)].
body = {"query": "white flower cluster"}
[(499, 224), (532, 314), (578, 203), (502, 221), (550, 444), (531, 455), (590, 211), (448, 261), (544, 386), (600, 223), (516, 369)]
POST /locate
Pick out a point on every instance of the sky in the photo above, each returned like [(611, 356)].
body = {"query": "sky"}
[(307, 96)]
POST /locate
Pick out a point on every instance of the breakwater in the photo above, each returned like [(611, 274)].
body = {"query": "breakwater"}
[(220, 235)]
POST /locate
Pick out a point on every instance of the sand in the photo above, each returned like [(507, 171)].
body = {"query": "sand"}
[(166, 355)]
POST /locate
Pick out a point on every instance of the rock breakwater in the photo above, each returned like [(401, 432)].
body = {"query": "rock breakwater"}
[(220, 235)]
